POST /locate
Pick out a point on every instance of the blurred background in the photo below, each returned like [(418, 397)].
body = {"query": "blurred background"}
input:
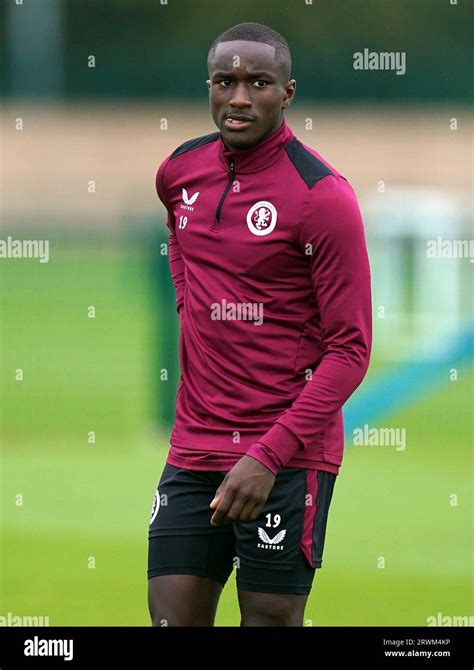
[(94, 96)]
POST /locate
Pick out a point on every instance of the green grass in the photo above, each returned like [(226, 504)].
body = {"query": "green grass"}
[(86, 501), (82, 501), (78, 371)]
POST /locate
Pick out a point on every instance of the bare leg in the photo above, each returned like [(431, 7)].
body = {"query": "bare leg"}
[(183, 600), (271, 609)]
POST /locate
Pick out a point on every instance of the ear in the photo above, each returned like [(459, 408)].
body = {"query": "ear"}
[(208, 82), (290, 92)]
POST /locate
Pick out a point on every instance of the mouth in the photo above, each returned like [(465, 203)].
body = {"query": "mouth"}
[(238, 122)]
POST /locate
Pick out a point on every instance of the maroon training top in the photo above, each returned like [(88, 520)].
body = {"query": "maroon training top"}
[(269, 262)]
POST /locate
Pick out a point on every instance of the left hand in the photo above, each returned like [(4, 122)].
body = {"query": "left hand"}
[(243, 492)]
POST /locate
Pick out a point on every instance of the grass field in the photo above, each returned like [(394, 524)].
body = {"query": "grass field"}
[(75, 550)]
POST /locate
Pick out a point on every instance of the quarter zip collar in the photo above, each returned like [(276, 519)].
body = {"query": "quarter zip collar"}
[(258, 157)]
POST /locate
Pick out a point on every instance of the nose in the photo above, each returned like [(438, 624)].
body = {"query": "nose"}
[(240, 97)]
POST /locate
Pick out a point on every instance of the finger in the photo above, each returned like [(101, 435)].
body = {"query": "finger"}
[(222, 507), (255, 513), (246, 511), (215, 500), (218, 495), (225, 522), (235, 510)]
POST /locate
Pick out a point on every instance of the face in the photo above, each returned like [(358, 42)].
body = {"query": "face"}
[(248, 92)]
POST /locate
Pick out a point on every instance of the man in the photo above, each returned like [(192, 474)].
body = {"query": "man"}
[(269, 262)]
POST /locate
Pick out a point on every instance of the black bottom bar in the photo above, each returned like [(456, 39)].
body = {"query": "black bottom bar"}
[(261, 647)]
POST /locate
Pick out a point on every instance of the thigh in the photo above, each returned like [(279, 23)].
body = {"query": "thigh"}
[(183, 600), (279, 552), (189, 560), (271, 609)]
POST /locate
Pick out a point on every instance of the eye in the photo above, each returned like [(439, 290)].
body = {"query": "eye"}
[(263, 82), (223, 82)]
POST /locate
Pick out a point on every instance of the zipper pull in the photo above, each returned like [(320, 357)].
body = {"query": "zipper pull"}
[(221, 201)]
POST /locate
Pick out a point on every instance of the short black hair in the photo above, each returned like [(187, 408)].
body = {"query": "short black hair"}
[(257, 32)]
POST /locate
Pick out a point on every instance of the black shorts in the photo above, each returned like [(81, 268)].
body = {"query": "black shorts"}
[(277, 553)]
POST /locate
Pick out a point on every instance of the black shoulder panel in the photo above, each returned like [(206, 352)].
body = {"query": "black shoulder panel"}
[(193, 144), (310, 168)]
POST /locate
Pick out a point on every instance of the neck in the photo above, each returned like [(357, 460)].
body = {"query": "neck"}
[(231, 147), (260, 155)]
